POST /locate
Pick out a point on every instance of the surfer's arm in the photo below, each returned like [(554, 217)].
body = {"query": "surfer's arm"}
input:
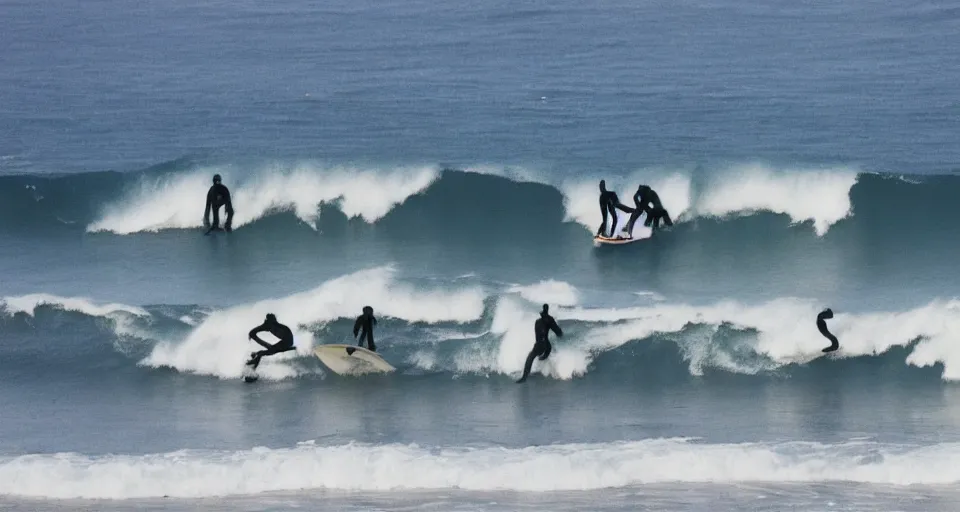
[(206, 210), (556, 329), (356, 326)]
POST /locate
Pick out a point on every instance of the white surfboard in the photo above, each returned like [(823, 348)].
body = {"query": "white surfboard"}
[(614, 241), (351, 360)]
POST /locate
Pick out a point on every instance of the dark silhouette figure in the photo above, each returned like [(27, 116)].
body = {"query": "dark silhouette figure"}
[(609, 203), (824, 315), (542, 347), (365, 323), (218, 196), (282, 332), (646, 200)]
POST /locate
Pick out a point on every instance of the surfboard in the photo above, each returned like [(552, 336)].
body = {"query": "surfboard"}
[(614, 241), (351, 360)]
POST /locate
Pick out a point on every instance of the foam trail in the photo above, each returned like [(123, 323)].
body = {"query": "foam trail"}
[(821, 196), (177, 202), (29, 303), (219, 346), (393, 467)]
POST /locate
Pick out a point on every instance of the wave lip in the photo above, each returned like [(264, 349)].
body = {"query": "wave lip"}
[(177, 201), (567, 467), (28, 304)]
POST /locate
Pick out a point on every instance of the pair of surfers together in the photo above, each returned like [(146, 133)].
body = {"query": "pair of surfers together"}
[(362, 326), (645, 200)]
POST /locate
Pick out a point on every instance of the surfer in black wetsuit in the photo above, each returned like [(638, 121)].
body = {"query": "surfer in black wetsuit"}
[(609, 203), (365, 322), (542, 347), (282, 332), (218, 196), (824, 315), (646, 200)]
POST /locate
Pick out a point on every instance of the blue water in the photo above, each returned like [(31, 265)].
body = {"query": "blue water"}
[(440, 163)]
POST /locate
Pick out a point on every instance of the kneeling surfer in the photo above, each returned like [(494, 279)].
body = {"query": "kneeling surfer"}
[(365, 322), (542, 347), (824, 315), (282, 332)]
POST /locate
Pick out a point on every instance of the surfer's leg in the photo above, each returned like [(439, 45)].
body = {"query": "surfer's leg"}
[(528, 365), (216, 216), (834, 342), (613, 222), (603, 223), (633, 220), (545, 350)]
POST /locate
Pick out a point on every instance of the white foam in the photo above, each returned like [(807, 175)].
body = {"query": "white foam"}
[(218, 346), (821, 196), (784, 332), (177, 201), (396, 467), (29, 303), (818, 195), (549, 291)]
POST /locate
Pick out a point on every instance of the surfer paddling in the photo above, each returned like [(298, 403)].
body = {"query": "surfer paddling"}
[(825, 315), (282, 332), (364, 327), (218, 196), (542, 347)]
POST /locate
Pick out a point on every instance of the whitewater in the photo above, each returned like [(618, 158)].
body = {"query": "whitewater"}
[(441, 164)]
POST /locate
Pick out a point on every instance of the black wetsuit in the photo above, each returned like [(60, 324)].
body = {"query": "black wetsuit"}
[(657, 212), (641, 204), (610, 203), (218, 196), (827, 314), (542, 347), (366, 323), (277, 329)]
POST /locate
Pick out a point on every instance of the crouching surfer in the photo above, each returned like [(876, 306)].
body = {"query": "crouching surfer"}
[(646, 200), (541, 347), (282, 332), (218, 196)]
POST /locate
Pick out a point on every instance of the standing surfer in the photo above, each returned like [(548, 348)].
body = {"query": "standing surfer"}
[(542, 347), (824, 315), (218, 196), (365, 322), (282, 332), (609, 203)]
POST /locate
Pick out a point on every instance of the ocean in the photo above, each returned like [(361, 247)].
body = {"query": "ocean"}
[(440, 162)]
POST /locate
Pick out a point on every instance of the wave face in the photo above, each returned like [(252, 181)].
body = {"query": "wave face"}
[(486, 330), (171, 195), (571, 467)]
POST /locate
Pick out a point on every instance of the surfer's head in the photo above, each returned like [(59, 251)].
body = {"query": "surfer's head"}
[(603, 185), (216, 178), (367, 310), (271, 319), (546, 310)]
